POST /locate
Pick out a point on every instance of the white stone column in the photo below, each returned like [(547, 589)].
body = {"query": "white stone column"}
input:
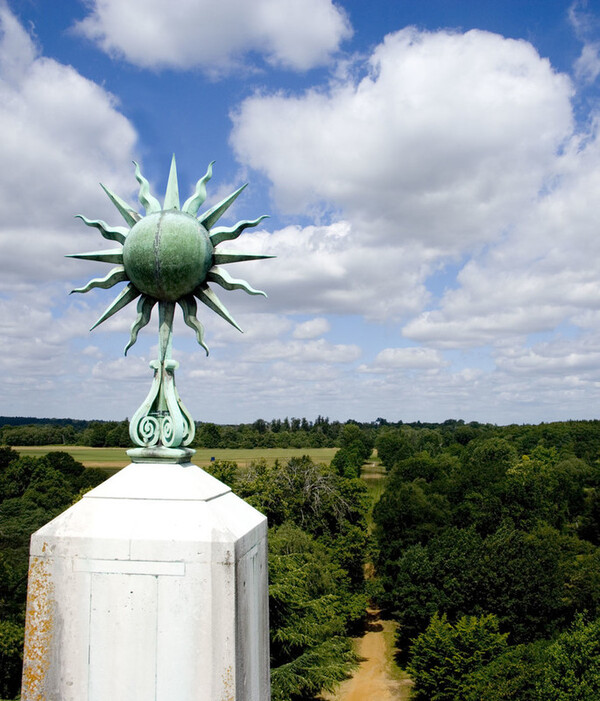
[(151, 587)]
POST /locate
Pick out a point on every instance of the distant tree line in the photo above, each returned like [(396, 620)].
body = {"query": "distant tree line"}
[(578, 438), (488, 544)]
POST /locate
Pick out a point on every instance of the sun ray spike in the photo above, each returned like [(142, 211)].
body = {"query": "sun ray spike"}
[(193, 204), (147, 200), (215, 213), (224, 233), (190, 308), (126, 296), (208, 297), (116, 275), (235, 257), (127, 212), (223, 278), (115, 255), (172, 193), (113, 233), (144, 310)]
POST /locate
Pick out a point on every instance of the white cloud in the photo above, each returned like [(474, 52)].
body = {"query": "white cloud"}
[(587, 66), (313, 351), (444, 142), (540, 275), (577, 358), (62, 133), (333, 269), (219, 36), (313, 328), (585, 24), (390, 359)]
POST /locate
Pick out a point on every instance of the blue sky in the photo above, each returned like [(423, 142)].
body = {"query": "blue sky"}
[(432, 174)]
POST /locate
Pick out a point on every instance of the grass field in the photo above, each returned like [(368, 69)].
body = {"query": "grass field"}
[(111, 458), (373, 473)]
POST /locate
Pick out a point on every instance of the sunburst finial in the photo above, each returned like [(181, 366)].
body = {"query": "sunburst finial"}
[(168, 256)]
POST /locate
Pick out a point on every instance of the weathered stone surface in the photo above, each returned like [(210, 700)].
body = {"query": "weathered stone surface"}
[(153, 586)]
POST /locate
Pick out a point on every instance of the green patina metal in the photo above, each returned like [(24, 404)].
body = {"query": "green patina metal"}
[(168, 257)]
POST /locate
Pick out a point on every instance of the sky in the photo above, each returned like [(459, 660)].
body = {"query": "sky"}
[(431, 169)]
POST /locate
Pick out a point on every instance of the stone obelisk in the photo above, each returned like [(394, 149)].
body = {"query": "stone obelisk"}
[(154, 585)]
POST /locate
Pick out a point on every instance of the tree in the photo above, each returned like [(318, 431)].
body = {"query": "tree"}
[(488, 460), (512, 676), (7, 455), (446, 576), (407, 513), (572, 669), (223, 470), (354, 438), (524, 581), (443, 657), (310, 608), (393, 445), (348, 461), (11, 658)]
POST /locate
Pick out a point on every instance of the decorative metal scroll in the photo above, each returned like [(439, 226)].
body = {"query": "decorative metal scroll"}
[(162, 419)]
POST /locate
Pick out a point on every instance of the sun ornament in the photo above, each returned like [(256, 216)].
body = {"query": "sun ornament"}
[(168, 257)]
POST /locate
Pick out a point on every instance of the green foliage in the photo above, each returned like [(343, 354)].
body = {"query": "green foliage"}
[(317, 546), (310, 495), (446, 575), (320, 668), (311, 606), (32, 492), (348, 462), (589, 523), (11, 657), (512, 676), (487, 462), (444, 655), (408, 513), (524, 581), (224, 470), (209, 436), (7, 455), (356, 447), (394, 445), (572, 669)]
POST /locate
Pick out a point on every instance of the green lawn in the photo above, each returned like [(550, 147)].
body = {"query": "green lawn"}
[(117, 457)]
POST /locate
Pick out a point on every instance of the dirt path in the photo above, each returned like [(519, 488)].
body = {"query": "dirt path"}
[(377, 678)]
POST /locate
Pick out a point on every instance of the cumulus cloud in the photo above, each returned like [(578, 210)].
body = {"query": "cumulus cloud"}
[(313, 328), (333, 269), (543, 273), (217, 37), (586, 25), (444, 141), (62, 133), (65, 133), (312, 351), (390, 359), (440, 149), (566, 357)]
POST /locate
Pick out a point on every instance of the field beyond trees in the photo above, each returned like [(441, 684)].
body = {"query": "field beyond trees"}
[(117, 457)]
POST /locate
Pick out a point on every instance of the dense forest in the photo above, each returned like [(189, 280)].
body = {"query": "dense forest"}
[(488, 557), (485, 545)]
